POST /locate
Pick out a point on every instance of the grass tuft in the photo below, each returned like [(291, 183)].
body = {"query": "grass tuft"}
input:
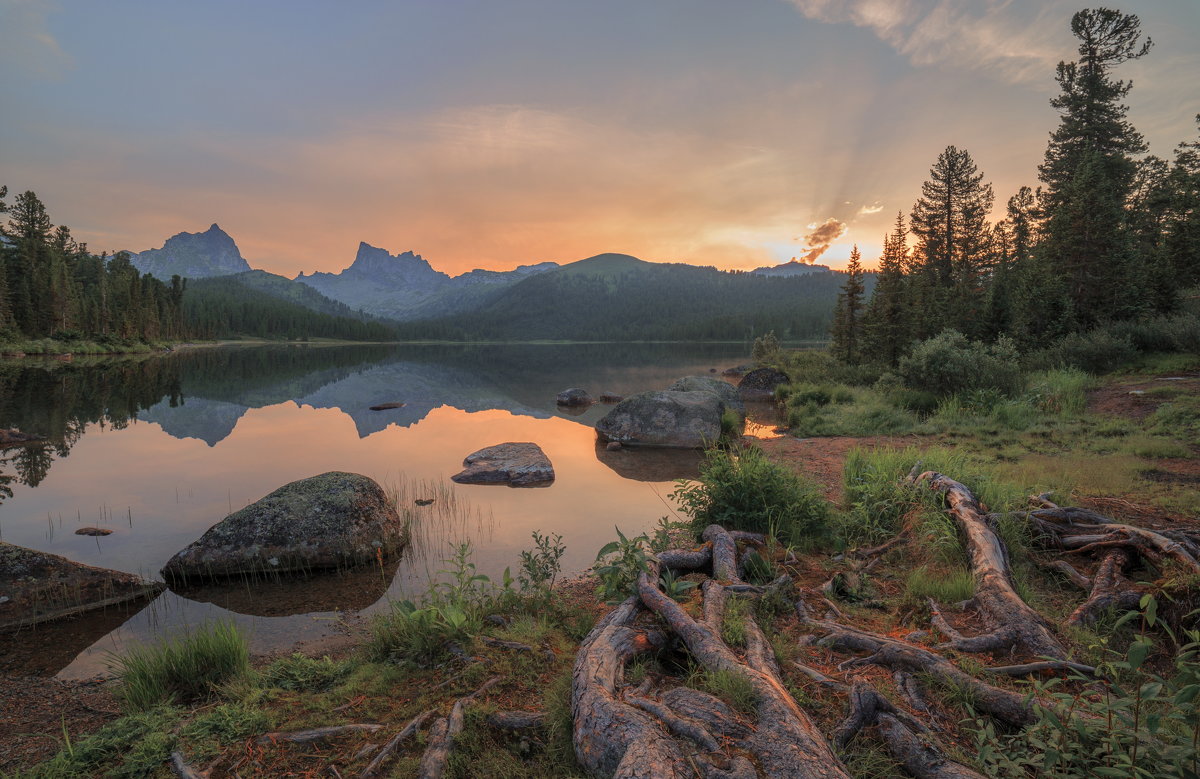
[(184, 669)]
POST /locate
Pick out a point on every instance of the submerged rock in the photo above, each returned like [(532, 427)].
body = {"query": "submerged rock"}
[(387, 406), (670, 418), (760, 383), (611, 397), (334, 520), (722, 389), (39, 587), (520, 464), (574, 397), (93, 531)]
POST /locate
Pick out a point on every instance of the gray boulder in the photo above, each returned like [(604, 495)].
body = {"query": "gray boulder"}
[(574, 397), (334, 520), (760, 383), (684, 420), (519, 464), (722, 389)]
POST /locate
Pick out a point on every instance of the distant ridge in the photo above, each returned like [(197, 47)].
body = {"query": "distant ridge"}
[(788, 269)]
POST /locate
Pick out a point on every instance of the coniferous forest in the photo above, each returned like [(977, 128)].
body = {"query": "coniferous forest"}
[(1111, 234)]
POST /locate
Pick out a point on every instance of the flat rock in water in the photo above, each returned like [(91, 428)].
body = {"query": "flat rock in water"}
[(387, 406), (520, 464), (682, 420), (93, 531), (39, 587), (334, 520), (574, 397)]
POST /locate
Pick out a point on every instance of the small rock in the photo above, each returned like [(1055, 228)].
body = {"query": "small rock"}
[(1137, 392), (611, 397), (93, 531), (497, 620), (387, 406), (520, 464), (423, 501), (613, 446), (574, 397), (712, 370)]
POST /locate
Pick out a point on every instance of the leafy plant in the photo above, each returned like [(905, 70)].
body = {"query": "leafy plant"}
[(673, 587), (619, 563), (541, 565)]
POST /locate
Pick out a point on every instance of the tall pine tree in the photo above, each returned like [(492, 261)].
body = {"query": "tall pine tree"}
[(1089, 172), (886, 322), (847, 316), (953, 238)]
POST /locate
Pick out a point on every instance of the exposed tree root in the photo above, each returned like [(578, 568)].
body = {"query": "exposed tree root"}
[(184, 771), (1013, 623), (1005, 705), (1110, 590), (907, 740), (444, 732), (516, 720)]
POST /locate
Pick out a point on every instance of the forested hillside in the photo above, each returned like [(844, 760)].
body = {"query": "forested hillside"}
[(615, 297)]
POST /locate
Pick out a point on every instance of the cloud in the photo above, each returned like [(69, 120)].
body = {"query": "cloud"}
[(871, 209), (823, 234), (989, 35), (25, 40)]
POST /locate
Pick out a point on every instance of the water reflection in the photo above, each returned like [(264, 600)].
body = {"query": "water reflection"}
[(159, 448)]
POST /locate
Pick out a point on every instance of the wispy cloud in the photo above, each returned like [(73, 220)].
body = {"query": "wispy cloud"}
[(866, 210), (25, 40), (1009, 40)]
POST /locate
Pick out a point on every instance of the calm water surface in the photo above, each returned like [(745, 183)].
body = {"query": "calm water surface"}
[(160, 448)]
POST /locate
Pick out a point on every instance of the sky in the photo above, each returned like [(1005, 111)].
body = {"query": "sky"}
[(484, 134)]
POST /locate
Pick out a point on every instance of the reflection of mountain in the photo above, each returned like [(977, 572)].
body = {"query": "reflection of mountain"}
[(208, 420)]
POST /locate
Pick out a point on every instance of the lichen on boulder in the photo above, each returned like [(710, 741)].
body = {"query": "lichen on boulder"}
[(334, 520)]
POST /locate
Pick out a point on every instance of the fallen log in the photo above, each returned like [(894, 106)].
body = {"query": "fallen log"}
[(316, 735), (376, 765), (444, 732), (1013, 623)]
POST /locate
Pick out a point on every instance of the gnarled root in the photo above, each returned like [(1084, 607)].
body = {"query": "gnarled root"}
[(908, 741), (1013, 622), (1110, 590), (444, 732)]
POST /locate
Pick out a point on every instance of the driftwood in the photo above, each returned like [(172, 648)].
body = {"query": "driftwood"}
[(1012, 622), (376, 765), (317, 735), (443, 733)]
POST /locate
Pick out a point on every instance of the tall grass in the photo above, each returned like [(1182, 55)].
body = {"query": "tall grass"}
[(182, 669), (442, 519)]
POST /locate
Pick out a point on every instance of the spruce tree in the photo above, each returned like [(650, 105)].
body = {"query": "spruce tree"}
[(1089, 171), (953, 242), (847, 316), (886, 318)]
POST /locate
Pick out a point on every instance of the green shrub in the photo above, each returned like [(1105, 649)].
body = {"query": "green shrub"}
[(419, 635), (1096, 351), (183, 669), (949, 363), (740, 489)]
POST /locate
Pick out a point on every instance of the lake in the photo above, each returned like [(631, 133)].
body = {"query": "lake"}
[(159, 448)]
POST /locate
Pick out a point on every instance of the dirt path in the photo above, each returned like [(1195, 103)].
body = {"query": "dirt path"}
[(822, 459)]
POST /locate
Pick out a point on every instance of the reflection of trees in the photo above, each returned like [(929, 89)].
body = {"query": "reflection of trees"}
[(58, 400)]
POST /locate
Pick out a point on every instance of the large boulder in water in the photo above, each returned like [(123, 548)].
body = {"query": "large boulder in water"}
[(519, 464), (760, 383), (685, 420), (722, 389), (334, 520)]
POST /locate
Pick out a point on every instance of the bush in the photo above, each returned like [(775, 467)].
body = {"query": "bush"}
[(742, 490), (1096, 351), (184, 669), (949, 363)]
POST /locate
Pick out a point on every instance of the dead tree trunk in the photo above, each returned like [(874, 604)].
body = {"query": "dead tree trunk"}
[(1013, 623)]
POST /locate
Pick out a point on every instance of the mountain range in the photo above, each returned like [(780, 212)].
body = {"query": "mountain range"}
[(606, 297)]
